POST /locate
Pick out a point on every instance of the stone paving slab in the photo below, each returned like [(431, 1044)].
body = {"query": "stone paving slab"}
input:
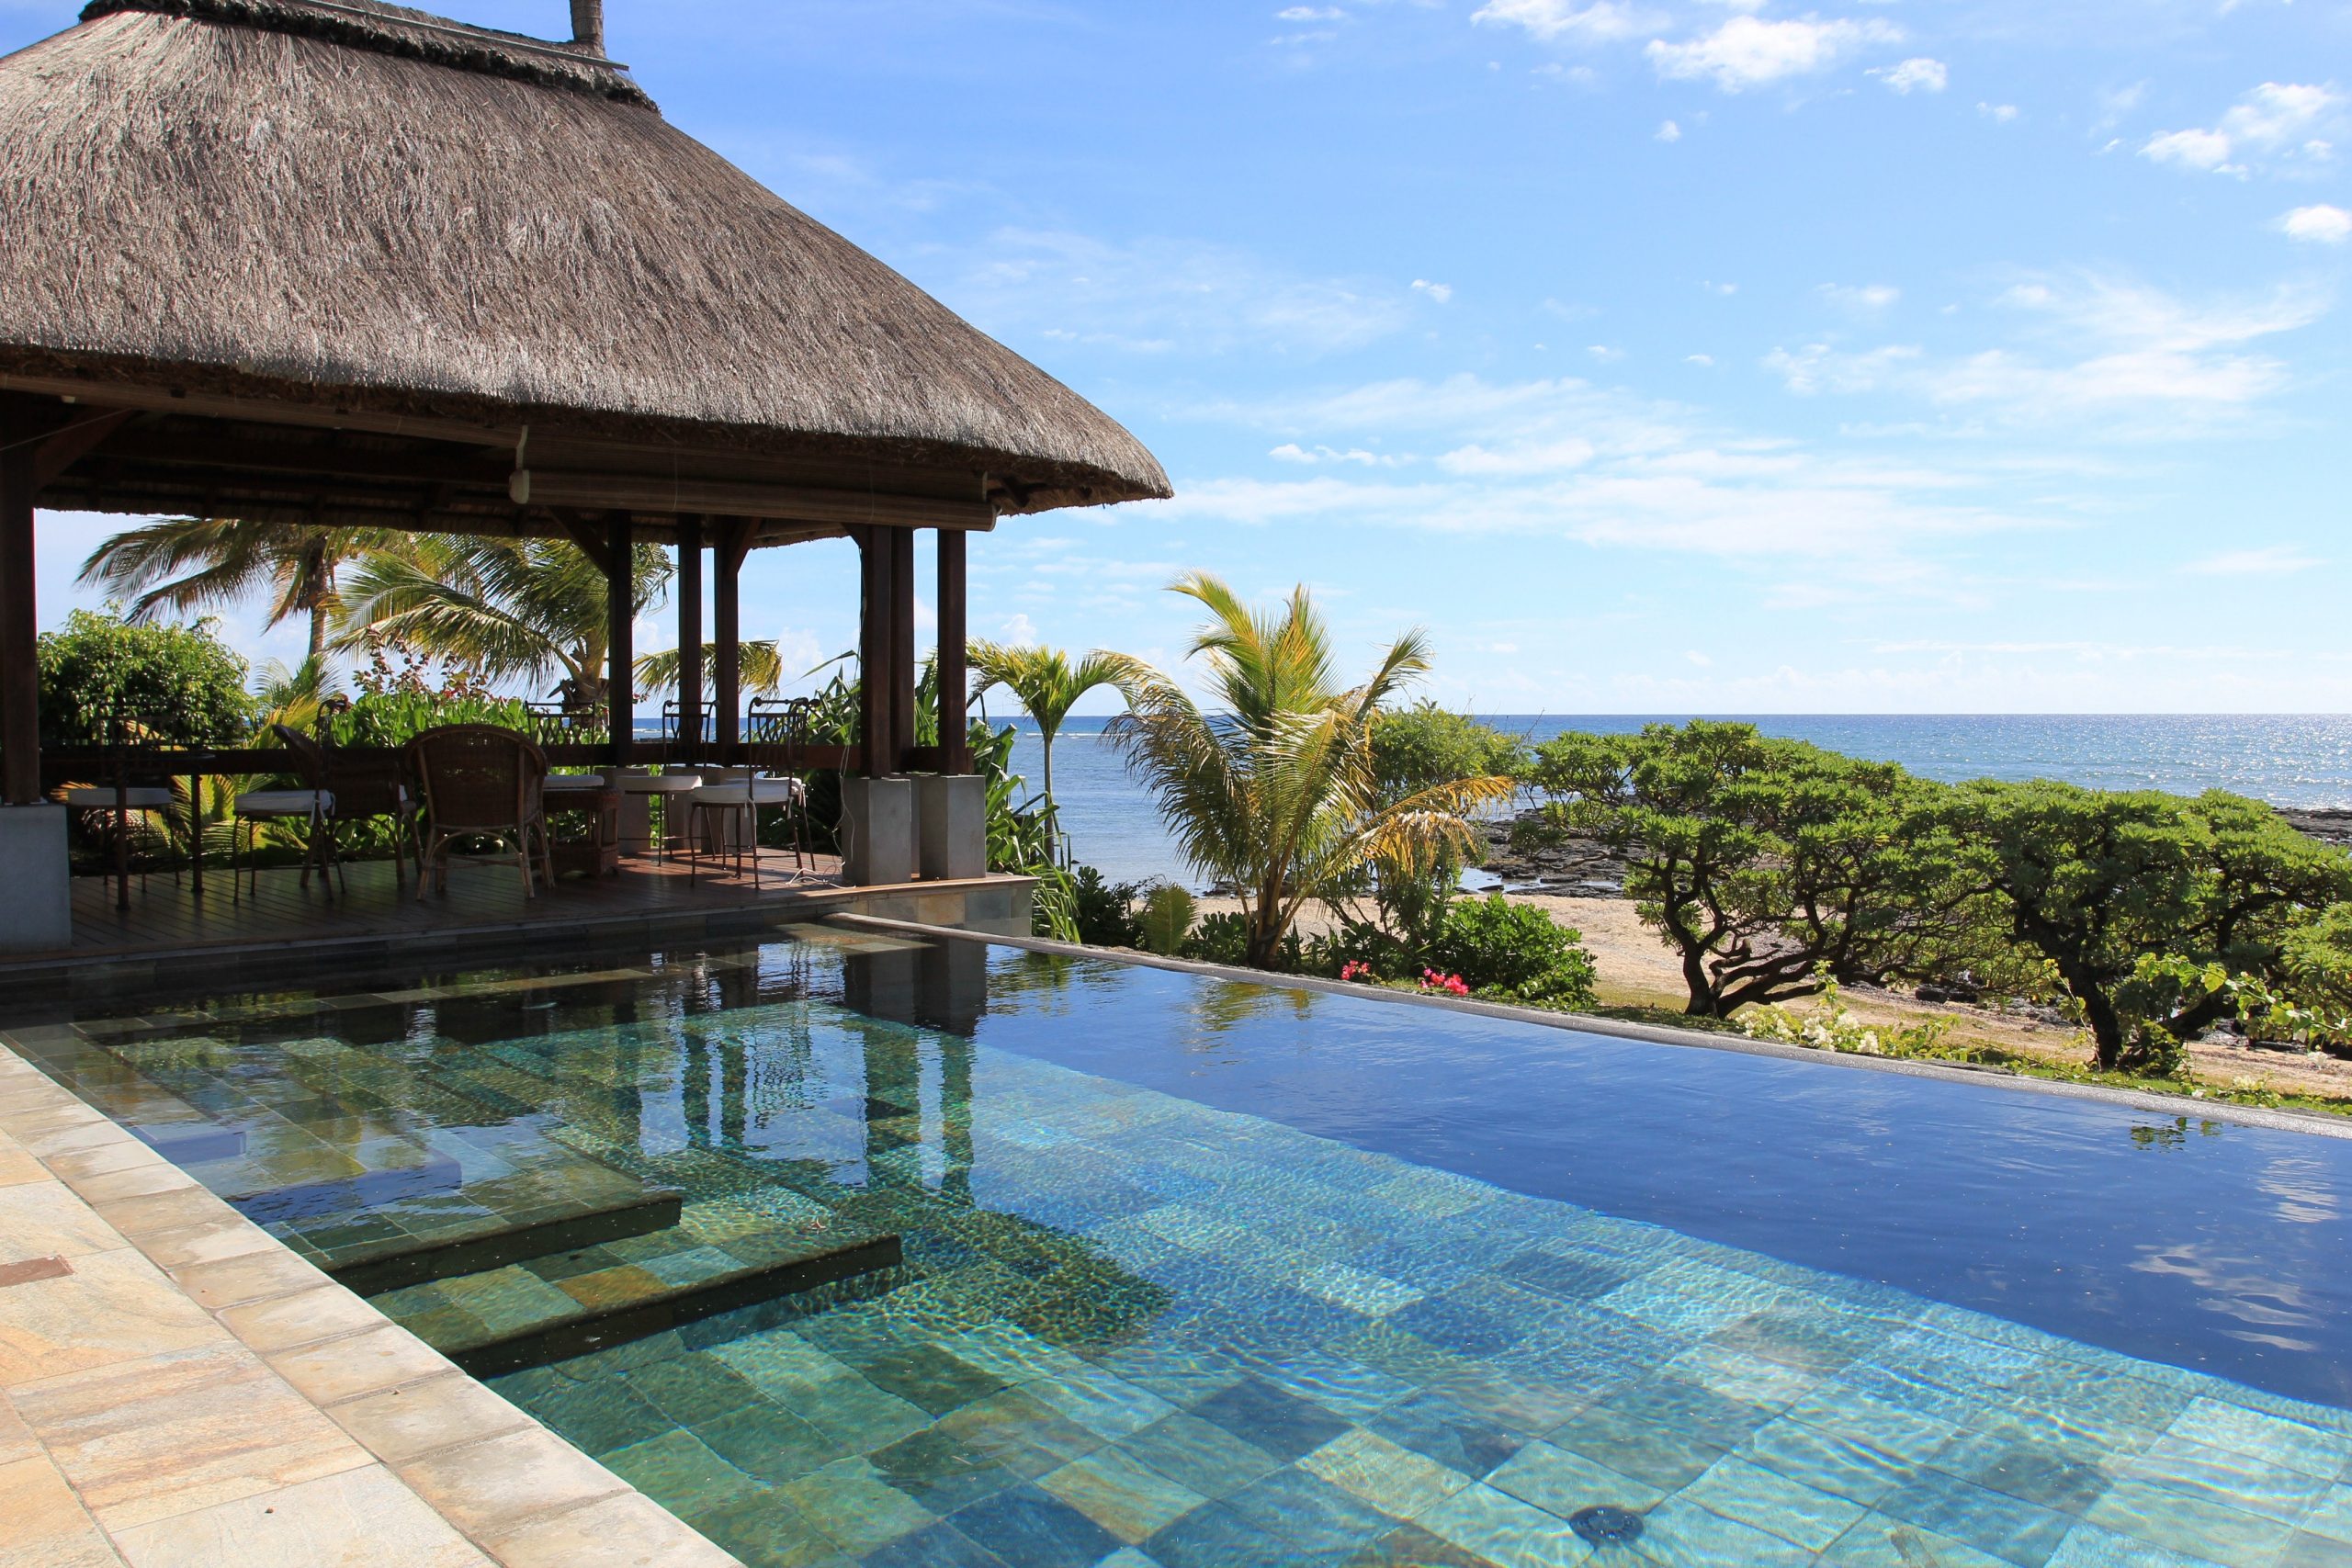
[(179, 1390)]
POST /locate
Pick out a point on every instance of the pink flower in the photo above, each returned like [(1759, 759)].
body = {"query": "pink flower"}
[(1453, 983)]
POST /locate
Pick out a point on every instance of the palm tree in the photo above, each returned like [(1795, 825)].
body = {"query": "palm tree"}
[(192, 564), (1044, 683), (1274, 791), (512, 609), (760, 666)]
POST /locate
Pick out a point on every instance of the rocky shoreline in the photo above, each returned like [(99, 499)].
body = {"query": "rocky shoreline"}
[(1583, 868)]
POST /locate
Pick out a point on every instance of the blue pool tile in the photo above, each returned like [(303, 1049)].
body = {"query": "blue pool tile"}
[(1710, 1417), (1562, 1482), (1802, 1514), (1877, 1541), (1216, 1537), (1308, 1511), (1283, 1424), (1504, 1531), (2308, 1550), (1032, 1529), (2004, 1526), (2093, 1546), (935, 1546), (1438, 1428), (2231, 1480), (2270, 1439), (1661, 1456), (1679, 1532), (1198, 1454)]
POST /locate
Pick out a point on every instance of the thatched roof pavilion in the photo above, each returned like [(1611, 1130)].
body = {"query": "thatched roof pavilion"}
[(332, 262)]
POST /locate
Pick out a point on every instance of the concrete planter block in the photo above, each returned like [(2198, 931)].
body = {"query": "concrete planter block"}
[(878, 831), (953, 810), (37, 916)]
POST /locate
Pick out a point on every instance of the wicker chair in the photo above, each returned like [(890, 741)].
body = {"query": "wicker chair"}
[(480, 781), (358, 792)]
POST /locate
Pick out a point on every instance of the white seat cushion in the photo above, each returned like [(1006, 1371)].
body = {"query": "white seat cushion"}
[(101, 799), (754, 792), (570, 784), (661, 784), (286, 803)]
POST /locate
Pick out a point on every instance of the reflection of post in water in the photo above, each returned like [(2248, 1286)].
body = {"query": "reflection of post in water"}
[(941, 987)]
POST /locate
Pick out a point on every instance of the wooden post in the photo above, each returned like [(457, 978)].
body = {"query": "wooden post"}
[(20, 633), (620, 635), (874, 652), (902, 646), (727, 616), (689, 638), (954, 668)]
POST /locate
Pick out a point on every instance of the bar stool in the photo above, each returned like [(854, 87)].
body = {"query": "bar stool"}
[(736, 803), (312, 807), (664, 787), (123, 799)]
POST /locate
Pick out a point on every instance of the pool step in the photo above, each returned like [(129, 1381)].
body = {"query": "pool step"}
[(396, 1265), (554, 1307)]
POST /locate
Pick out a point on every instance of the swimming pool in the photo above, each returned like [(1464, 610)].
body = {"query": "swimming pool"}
[(1194, 1272)]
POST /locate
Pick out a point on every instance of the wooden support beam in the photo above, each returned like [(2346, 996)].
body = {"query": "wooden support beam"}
[(262, 411), (690, 636), (19, 623), (955, 665), (903, 670), (654, 493), (874, 652), (620, 633), (592, 537), (731, 544), (62, 450)]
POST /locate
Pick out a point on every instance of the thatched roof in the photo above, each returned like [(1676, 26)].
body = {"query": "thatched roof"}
[(347, 202)]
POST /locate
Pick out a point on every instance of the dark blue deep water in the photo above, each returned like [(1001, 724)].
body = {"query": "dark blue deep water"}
[(2207, 1244)]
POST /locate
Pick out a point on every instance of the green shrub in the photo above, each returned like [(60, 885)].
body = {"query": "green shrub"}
[(190, 688), (1167, 918), (1220, 939), (1105, 910), (394, 718), (1514, 951)]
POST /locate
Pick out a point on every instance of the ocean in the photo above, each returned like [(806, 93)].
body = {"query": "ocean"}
[(2288, 760)]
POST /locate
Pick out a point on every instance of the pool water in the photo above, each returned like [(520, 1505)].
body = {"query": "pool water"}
[(1194, 1273)]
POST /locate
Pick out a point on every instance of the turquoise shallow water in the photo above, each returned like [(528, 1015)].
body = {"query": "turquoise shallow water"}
[(1133, 1328)]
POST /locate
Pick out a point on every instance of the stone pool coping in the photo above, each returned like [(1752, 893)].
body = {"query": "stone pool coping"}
[(178, 1387), (1657, 1034)]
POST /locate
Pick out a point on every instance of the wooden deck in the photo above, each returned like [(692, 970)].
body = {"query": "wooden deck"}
[(169, 917)]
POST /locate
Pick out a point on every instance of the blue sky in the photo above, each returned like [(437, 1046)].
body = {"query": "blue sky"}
[(1654, 356)]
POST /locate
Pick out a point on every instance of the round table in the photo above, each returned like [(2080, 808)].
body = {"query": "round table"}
[(598, 853)]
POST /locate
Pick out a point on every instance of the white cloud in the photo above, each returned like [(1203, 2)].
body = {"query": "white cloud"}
[(1999, 114), (1018, 630), (2321, 225), (1564, 458), (1605, 353), (1167, 296), (2277, 120), (1748, 51), (2110, 348), (1441, 292), (1309, 14), (1669, 131), (1292, 452), (1866, 298), (2269, 560), (1918, 74), (1700, 359), (1599, 21), (1724, 289)]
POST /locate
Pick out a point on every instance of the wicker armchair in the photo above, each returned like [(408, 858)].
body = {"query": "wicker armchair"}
[(480, 781)]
